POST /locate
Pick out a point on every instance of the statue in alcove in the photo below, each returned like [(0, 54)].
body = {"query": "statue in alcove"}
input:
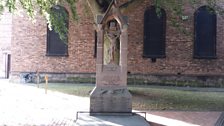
[(112, 43), (111, 93)]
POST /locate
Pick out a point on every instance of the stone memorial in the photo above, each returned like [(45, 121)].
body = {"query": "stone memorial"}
[(111, 94)]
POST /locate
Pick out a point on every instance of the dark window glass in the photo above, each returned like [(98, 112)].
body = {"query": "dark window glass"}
[(56, 46), (154, 33), (205, 33), (103, 4), (95, 45)]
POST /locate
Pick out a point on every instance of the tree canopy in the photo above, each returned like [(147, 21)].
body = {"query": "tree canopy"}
[(44, 8)]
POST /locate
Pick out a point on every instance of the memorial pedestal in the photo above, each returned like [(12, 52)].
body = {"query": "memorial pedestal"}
[(111, 94), (110, 100)]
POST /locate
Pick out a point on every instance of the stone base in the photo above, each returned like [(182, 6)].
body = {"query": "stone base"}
[(86, 120), (110, 100)]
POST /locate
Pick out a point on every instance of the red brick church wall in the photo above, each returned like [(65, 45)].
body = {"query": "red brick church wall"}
[(29, 47)]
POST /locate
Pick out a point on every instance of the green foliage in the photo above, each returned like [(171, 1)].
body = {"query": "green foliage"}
[(11, 4), (186, 99), (177, 14), (80, 80), (158, 98), (72, 5), (32, 7), (28, 6), (44, 7), (58, 20), (73, 89), (1, 8)]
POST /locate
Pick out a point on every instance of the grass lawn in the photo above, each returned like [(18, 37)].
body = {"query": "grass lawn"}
[(157, 98)]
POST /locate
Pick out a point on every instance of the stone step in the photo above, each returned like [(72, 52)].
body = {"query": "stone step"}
[(119, 120)]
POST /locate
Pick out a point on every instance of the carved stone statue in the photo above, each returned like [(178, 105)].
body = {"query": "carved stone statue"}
[(113, 33)]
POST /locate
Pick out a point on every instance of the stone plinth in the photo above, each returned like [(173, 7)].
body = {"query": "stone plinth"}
[(106, 100), (133, 120)]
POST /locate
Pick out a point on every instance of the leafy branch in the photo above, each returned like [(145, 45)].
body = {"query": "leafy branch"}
[(43, 7)]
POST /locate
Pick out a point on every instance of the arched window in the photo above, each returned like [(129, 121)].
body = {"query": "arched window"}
[(56, 46), (154, 33), (95, 44), (103, 4), (205, 33)]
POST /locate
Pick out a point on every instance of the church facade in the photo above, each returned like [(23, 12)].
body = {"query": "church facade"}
[(158, 53)]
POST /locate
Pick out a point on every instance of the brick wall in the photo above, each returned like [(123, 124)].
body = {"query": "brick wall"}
[(29, 47), (179, 49), (5, 41)]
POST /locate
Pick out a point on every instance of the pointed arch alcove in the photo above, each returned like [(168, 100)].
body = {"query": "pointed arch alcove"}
[(205, 33), (111, 45), (154, 33)]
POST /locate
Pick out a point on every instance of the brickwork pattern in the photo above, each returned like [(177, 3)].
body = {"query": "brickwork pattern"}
[(179, 48), (29, 47)]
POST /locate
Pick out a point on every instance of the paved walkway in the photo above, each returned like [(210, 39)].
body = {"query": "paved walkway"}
[(178, 118), (22, 105)]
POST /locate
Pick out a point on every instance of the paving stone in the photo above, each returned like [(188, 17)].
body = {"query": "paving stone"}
[(22, 105)]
